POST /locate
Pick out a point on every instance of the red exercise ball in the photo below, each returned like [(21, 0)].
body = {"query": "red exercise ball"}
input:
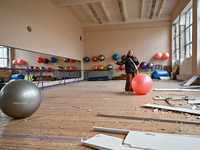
[(72, 68), (158, 55), (94, 59), (72, 60), (165, 55), (40, 60), (14, 62), (121, 67), (20, 61), (49, 69), (142, 84), (95, 67), (36, 68)]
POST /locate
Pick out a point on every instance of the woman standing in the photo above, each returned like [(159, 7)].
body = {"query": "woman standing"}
[(131, 63)]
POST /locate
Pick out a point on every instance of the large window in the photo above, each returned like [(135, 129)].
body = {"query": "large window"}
[(176, 40), (4, 56), (188, 33)]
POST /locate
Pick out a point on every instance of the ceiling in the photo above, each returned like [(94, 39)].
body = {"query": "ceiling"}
[(105, 12)]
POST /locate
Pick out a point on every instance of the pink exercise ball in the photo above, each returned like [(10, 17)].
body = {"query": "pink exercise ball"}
[(72, 68), (95, 67), (142, 84), (14, 62), (165, 55), (158, 55), (121, 67), (20, 61)]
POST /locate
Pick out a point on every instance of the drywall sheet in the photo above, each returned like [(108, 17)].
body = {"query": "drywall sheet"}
[(105, 142), (160, 141), (194, 101), (197, 112)]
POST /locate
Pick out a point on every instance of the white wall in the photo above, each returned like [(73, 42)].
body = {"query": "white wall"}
[(145, 39), (55, 30)]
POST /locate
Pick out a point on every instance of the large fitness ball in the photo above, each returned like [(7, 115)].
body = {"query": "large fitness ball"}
[(14, 62), (165, 55), (53, 59), (115, 57), (20, 98), (109, 67), (101, 57), (143, 65), (142, 84), (86, 59), (158, 56)]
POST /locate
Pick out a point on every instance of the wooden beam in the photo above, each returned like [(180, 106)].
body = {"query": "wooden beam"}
[(196, 112), (161, 8), (103, 4), (72, 2), (142, 9), (94, 13), (152, 9), (89, 13), (148, 119), (122, 9)]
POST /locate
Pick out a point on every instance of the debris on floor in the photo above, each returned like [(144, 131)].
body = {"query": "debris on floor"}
[(137, 140)]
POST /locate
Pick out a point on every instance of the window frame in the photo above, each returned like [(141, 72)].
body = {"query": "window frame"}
[(7, 58)]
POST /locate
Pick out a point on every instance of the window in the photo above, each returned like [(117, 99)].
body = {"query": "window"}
[(188, 33), (4, 56), (176, 40)]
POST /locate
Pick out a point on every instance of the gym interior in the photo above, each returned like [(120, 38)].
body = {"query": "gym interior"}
[(59, 81)]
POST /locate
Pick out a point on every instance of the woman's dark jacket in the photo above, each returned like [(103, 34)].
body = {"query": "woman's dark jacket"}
[(130, 68)]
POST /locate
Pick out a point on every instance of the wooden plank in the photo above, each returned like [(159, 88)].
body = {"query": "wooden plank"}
[(197, 112), (194, 101), (177, 90), (165, 78), (190, 81), (158, 141), (148, 119), (105, 142)]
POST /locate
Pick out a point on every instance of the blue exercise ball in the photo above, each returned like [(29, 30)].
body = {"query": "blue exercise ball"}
[(20, 98), (53, 59), (115, 57), (143, 65), (86, 59)]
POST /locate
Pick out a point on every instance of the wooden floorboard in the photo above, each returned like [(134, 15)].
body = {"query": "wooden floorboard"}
[(69, 112)]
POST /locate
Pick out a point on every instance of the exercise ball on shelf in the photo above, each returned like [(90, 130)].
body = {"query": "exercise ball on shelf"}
[(65, 59), (101, 67), (101, 57), (115, 57), (20, 61), (150, 65), (143, 65), (72, 68), (86, 59), (94, 58), (165, 55), (121, 67), (158, 56), (14, 62), (23, 101), (123, 57), (40, 60), (109, 67), (53, 59), (45, 60), (95, 67)]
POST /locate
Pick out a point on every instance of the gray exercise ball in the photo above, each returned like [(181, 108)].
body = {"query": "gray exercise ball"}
[(150, 65), (20, 98), (109, 67), (101, 57), (65, 59)]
